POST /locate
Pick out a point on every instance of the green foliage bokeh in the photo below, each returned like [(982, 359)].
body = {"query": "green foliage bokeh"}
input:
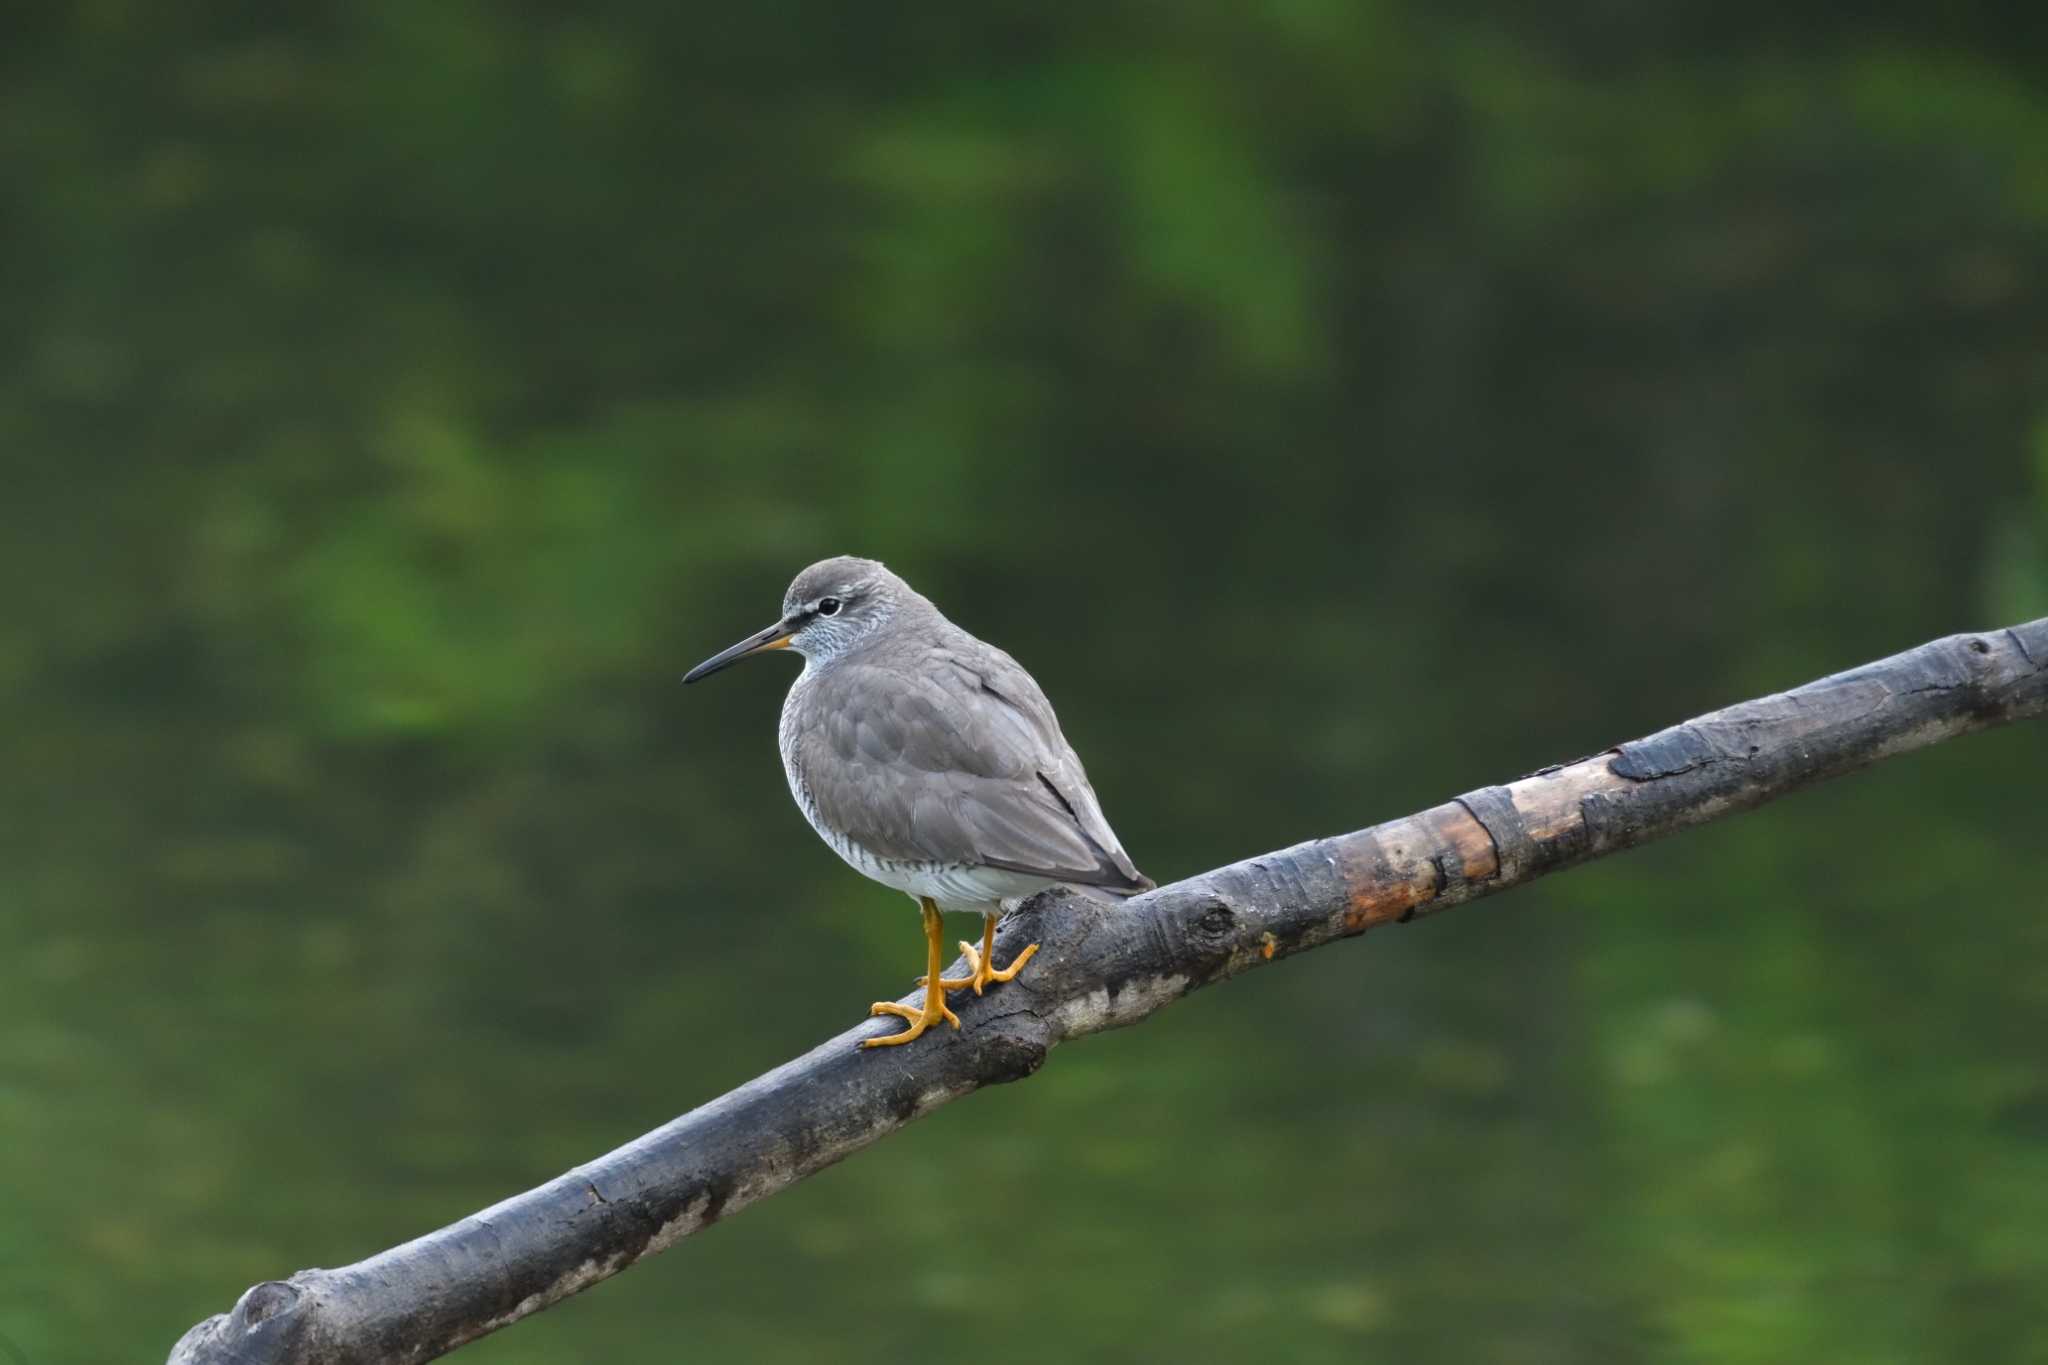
[(1336, 405)]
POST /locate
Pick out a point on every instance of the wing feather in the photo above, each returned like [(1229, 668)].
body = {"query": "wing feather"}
[(959, 761)]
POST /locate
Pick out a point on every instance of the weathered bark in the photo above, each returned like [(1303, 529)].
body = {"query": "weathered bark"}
[(1101, 967)]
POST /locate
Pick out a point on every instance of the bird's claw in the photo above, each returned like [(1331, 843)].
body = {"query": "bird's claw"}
[(979, 972), (920, 1020)]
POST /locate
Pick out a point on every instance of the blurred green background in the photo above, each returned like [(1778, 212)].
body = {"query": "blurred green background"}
[(1337, 406)]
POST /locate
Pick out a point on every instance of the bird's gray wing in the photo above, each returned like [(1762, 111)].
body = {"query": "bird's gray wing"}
[(931, 766), (1004, 680)]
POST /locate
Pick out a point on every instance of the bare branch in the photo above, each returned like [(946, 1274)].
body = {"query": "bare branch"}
[(1102, 967)]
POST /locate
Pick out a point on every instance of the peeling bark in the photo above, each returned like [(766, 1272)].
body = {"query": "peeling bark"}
[(1102, 967)]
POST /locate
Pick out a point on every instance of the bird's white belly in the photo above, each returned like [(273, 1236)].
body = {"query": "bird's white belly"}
[(985, 889), (988, 890)]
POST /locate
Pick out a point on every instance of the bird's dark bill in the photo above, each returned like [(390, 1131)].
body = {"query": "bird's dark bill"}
[(775, 637)]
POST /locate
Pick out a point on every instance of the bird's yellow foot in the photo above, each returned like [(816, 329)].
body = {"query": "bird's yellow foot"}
[(920, 1020), (934, 993), (981, 968)]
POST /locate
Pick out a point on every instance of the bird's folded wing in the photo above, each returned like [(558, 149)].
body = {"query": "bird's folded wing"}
[(959, 763)]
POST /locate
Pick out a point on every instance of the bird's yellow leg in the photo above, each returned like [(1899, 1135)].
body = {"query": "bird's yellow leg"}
[(981, 964), (934, 990)]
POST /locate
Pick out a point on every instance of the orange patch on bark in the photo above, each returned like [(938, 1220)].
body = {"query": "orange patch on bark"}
[(1394, 868)]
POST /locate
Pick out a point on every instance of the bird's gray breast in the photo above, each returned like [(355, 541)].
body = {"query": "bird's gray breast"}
[(796, 710), (787, 736), (959, 884)]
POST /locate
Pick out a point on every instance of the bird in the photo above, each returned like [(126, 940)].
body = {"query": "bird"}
[(931, 762)]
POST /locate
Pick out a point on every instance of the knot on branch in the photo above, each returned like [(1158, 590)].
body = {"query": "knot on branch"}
[(268, 1323), (1010, 1048), (1214, 928), (266, 1301)]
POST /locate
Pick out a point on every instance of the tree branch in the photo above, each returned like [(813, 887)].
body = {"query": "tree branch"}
[(1102, 967)]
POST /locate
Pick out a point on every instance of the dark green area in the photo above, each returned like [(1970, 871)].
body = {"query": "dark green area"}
[(1337, 406)]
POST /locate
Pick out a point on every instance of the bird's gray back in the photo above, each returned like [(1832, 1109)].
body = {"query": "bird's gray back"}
[(929, 746)]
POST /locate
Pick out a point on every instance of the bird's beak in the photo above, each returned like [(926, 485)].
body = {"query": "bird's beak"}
[(776, 636)]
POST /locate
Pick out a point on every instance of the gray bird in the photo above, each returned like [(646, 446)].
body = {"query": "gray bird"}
[(932, 763)]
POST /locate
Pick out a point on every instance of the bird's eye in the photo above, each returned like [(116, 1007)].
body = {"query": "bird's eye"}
[(829, 606)]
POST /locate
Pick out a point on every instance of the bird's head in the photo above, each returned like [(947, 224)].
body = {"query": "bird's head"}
[(829, 608)]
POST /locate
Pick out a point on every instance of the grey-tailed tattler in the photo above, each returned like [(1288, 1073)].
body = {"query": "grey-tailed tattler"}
[(931, 762)]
